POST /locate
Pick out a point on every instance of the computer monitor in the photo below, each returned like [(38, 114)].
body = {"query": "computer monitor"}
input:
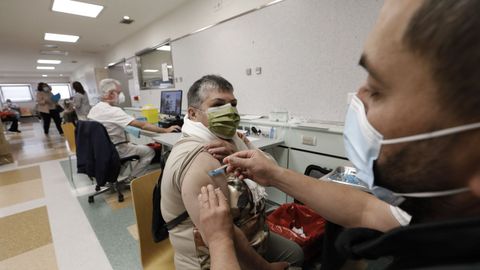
[(171, 102)]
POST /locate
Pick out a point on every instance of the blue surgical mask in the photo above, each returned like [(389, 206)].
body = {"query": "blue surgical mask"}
[(363, 143)]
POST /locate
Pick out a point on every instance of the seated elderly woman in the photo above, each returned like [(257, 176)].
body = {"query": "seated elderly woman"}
[(208, 135)]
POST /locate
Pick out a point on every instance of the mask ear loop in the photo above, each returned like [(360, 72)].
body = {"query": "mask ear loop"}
[(434, 134), (198, 110), (433, 193)]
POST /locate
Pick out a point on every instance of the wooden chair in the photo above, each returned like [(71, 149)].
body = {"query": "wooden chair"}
[(153, 255), (69, 133)]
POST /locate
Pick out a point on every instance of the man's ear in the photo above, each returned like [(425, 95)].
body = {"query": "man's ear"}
[(474, 183), (191, 113)]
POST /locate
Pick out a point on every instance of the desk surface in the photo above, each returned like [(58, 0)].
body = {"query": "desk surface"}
[(169, 139), (149, 133)]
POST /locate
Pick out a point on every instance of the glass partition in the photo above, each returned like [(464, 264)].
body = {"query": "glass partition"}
[(155, 67)]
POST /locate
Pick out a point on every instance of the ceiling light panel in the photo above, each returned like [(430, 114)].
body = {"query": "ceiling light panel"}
[(54, 52), (45, 67), (150, 70), (45, 61), (77, 8), (61, 37)]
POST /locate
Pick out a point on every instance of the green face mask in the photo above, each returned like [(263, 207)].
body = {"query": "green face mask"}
[(223, 121)]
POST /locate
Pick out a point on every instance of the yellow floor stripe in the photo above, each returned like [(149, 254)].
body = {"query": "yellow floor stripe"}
[(21, 192), (22, 162), (42, 258), (20, 175), (23, 232), (133, 230)]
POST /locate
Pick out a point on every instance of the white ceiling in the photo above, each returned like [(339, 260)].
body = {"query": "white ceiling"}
[(24, 22)]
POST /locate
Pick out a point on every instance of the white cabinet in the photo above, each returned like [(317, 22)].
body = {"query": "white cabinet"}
[(316, 141), (300, 160), (280, 153), (321, 146)]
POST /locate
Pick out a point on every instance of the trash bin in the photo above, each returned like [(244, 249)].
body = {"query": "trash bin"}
[(300, 224), (151, 113)]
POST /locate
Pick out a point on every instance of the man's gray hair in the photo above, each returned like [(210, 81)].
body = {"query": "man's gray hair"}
[(197, 92), (107, 85)]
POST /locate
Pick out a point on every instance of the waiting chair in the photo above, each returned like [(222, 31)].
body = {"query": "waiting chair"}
[(153, 255), (97, 157), (69, 133), (330, 257)]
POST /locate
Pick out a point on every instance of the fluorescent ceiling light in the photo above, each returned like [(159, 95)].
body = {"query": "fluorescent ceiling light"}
[(60, 37), (44, 75), (44, 67), (111, 64), (126, 17), (77, 8), (45, 61), (54, 52), (169, 66), (150, 70), (164, 48)]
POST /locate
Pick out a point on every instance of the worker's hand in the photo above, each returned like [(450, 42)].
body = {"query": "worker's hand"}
[(174, 129), (220, 149), (215, 223), (255, 165)]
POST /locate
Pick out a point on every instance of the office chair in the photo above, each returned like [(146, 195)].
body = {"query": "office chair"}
[(97, 157), (330, 257), (153, 255), (316, 171), (69, 133)]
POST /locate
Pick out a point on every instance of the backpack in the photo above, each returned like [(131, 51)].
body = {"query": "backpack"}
[(160, 227)]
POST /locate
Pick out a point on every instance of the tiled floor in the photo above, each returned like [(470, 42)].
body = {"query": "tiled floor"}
[(43, 225)]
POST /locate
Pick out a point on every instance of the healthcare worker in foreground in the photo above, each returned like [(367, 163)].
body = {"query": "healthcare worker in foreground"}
[(413, 133)]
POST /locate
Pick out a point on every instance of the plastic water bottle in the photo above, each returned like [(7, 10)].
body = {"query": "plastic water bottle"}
[(272, 133)]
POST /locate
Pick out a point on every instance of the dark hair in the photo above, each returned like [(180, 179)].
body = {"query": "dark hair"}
[(78, 87), (447, 34), (196, 93), (40, 86)]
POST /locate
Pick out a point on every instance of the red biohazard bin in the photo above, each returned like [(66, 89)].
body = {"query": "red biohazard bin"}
[(289, 216)]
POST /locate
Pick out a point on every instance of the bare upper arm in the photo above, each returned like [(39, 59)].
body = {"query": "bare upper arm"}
[(197, 177)]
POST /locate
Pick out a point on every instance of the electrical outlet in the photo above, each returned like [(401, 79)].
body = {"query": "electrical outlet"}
[(258, 70), (248, 71), (218, 5), (309, 140)]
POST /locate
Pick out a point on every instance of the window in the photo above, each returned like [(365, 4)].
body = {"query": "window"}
[(61, 88), (16, 92)]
